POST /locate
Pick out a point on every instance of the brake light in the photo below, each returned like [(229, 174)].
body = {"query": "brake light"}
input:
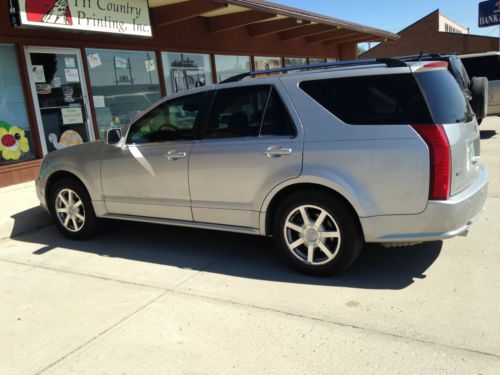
[(437, 64), (440, 159)]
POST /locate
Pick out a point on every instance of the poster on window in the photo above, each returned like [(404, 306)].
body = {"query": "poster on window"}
[(187, 78), (267, 63)]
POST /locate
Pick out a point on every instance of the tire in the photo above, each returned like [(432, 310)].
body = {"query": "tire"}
[(343, 236), (75, 220), (479, 103)]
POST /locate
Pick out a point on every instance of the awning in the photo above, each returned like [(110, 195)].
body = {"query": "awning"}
[(264, 18)]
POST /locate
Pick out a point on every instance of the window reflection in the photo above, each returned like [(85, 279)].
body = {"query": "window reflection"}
[(124, 83)]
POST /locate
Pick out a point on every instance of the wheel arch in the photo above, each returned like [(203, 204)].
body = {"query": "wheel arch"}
[(274, 199), (57, 176)]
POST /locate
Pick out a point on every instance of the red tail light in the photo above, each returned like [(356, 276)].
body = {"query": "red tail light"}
[(440, 158)]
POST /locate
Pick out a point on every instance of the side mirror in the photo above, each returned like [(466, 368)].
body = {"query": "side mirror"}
[(113, 136)]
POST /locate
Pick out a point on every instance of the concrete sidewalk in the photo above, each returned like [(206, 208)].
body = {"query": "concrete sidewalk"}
[(20, 210)]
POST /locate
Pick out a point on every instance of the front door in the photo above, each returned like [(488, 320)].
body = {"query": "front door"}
[(60, 97), (147, 174)]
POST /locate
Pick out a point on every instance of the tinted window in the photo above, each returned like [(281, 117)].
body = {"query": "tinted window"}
[(276, 121), (446, 100), (237, 112), (377, 100), (485, 66), (170, 121)]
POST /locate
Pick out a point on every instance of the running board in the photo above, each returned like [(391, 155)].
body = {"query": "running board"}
[(182, 223)]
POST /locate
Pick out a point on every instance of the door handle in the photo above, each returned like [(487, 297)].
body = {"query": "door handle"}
[(277, 151), (175, 155)]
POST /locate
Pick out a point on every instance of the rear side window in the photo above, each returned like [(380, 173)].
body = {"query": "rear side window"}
[(484, 66), (446, 100), (248, 112), (371, 100)]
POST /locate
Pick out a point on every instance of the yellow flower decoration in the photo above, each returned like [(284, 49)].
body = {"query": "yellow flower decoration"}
[(13, 142)]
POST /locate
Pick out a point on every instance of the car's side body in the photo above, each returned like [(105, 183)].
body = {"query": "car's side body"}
[(382, 172)]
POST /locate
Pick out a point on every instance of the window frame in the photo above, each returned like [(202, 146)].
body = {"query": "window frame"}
[(195, 131), (210, 101)]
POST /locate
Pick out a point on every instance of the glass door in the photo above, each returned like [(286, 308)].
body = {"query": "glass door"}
[(60, 97)]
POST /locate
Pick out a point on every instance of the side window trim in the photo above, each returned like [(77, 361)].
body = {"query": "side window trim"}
[(265, 109)]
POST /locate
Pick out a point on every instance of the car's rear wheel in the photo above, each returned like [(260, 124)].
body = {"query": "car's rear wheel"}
[(317, 234), (72, 209)]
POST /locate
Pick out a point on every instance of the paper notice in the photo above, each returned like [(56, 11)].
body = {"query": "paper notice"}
[(72, 115), (69, 62), (120, 62), (150, 65), (99, 101), (94, 60), (38, 73), (71, 75)]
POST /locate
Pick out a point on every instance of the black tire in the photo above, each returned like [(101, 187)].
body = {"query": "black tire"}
[(479, 103), (344, 221), (90, 223)]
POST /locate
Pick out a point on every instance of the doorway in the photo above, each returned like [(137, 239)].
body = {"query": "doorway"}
[(60, 97)]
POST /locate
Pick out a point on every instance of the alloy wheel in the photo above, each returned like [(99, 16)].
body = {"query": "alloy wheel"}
[(312, 235), (70, 210)]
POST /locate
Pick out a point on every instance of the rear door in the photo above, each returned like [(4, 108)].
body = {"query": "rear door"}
[(251, 143), (449, 107)]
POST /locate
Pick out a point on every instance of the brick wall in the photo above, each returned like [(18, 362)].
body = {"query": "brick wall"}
[(423, 36)]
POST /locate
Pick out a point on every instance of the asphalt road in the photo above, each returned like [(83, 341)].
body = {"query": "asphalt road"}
[(147, 299)]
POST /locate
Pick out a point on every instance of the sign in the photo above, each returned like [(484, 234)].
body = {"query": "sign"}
[(72, 75), (38, 73), (489, 13), (126, 17), (72, 115)]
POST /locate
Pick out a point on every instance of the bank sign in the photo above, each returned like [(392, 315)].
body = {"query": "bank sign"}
[(489, 13), (127, 17)]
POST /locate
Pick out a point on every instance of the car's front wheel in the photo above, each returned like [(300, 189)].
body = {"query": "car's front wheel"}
[(72, 209), (317, 234)]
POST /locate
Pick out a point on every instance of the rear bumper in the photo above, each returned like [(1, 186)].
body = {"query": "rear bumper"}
[(440, 220)]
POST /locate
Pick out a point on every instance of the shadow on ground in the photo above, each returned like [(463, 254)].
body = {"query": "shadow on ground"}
[(487, 134), (238, 255)]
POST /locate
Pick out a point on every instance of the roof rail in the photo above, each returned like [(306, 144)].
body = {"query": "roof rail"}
[(391, 63)]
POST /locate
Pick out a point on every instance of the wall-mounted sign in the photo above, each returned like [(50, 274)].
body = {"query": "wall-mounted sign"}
[(489, 13), (127, 17)]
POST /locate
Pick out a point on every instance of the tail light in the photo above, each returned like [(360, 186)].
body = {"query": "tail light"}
[(440, 159)]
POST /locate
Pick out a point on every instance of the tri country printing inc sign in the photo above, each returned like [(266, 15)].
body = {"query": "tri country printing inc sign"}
[(128, 17), (489, 13)]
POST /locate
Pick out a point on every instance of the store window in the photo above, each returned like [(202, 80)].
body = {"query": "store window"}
[(294, 61), (317, 61), (229, 66), (15, 137), (184, 71), (267, 63), (124, 83)]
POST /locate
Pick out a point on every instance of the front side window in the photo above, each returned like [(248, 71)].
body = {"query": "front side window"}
[(248, 112), (173, 120)]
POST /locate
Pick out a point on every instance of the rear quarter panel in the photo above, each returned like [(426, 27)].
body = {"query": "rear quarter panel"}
[(386, 167)]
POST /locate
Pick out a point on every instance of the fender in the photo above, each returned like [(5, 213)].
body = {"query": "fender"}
[(329, 180)]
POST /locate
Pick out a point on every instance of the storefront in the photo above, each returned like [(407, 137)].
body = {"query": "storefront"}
[(72, 69)]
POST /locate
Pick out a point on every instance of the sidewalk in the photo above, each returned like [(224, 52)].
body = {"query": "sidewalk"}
[(20, 210)]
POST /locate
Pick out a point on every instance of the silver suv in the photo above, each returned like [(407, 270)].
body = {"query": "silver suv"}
[(324, 159)]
